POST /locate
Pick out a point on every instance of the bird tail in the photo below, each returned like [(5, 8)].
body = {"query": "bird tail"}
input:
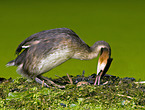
[(11, 63)]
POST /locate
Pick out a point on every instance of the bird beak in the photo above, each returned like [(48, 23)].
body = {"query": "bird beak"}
[(104, 63)]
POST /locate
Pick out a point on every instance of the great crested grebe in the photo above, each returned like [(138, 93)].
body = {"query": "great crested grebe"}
[(45, 50)]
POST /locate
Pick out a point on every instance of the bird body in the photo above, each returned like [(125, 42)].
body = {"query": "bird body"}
[(45, 50)]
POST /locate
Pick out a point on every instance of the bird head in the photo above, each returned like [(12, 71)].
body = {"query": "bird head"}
[(104, 60)]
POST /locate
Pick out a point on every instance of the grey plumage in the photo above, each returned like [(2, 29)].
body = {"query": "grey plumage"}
[(45, 50)]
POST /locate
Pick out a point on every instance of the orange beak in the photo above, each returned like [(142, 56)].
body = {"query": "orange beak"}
[(104, 63)]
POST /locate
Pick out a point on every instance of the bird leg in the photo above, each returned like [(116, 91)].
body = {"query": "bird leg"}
[(41, 82), (48, 81)]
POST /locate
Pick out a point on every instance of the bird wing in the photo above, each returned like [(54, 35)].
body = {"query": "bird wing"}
[(32, 40), (38, 37), (33, 51)]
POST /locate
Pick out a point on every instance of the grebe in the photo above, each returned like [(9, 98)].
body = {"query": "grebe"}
[(45, 50)]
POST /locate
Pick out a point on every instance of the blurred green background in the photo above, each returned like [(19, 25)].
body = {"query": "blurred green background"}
[(119, 22)]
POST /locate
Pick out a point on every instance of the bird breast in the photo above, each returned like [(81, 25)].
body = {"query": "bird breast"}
[(54, 59)]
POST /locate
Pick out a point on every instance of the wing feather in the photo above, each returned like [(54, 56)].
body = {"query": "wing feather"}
[(48, 34)]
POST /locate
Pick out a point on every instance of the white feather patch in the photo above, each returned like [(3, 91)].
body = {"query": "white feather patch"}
[(100, 67), (100, 46), (10, 64), (24, 47), (54, 59)]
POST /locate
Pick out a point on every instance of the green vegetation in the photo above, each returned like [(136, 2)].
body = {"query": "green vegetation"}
[(117, 93)]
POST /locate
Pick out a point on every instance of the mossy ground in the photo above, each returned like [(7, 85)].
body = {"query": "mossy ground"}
[(117, 93)]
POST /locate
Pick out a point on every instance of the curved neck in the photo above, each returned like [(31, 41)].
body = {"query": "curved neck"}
[(99, 47), (93, 51)]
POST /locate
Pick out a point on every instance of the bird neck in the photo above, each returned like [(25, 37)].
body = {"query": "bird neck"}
[(94, 53), (88, 53), (95, 50)]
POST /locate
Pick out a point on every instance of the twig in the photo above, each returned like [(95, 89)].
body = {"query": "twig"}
[(69, 78), (51, 82), (141, 82), (105, 83), (60, 77), (125, 96), (43, 83), (83, 73)]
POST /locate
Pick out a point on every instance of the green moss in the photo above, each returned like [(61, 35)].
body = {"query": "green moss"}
[(118, 93)]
